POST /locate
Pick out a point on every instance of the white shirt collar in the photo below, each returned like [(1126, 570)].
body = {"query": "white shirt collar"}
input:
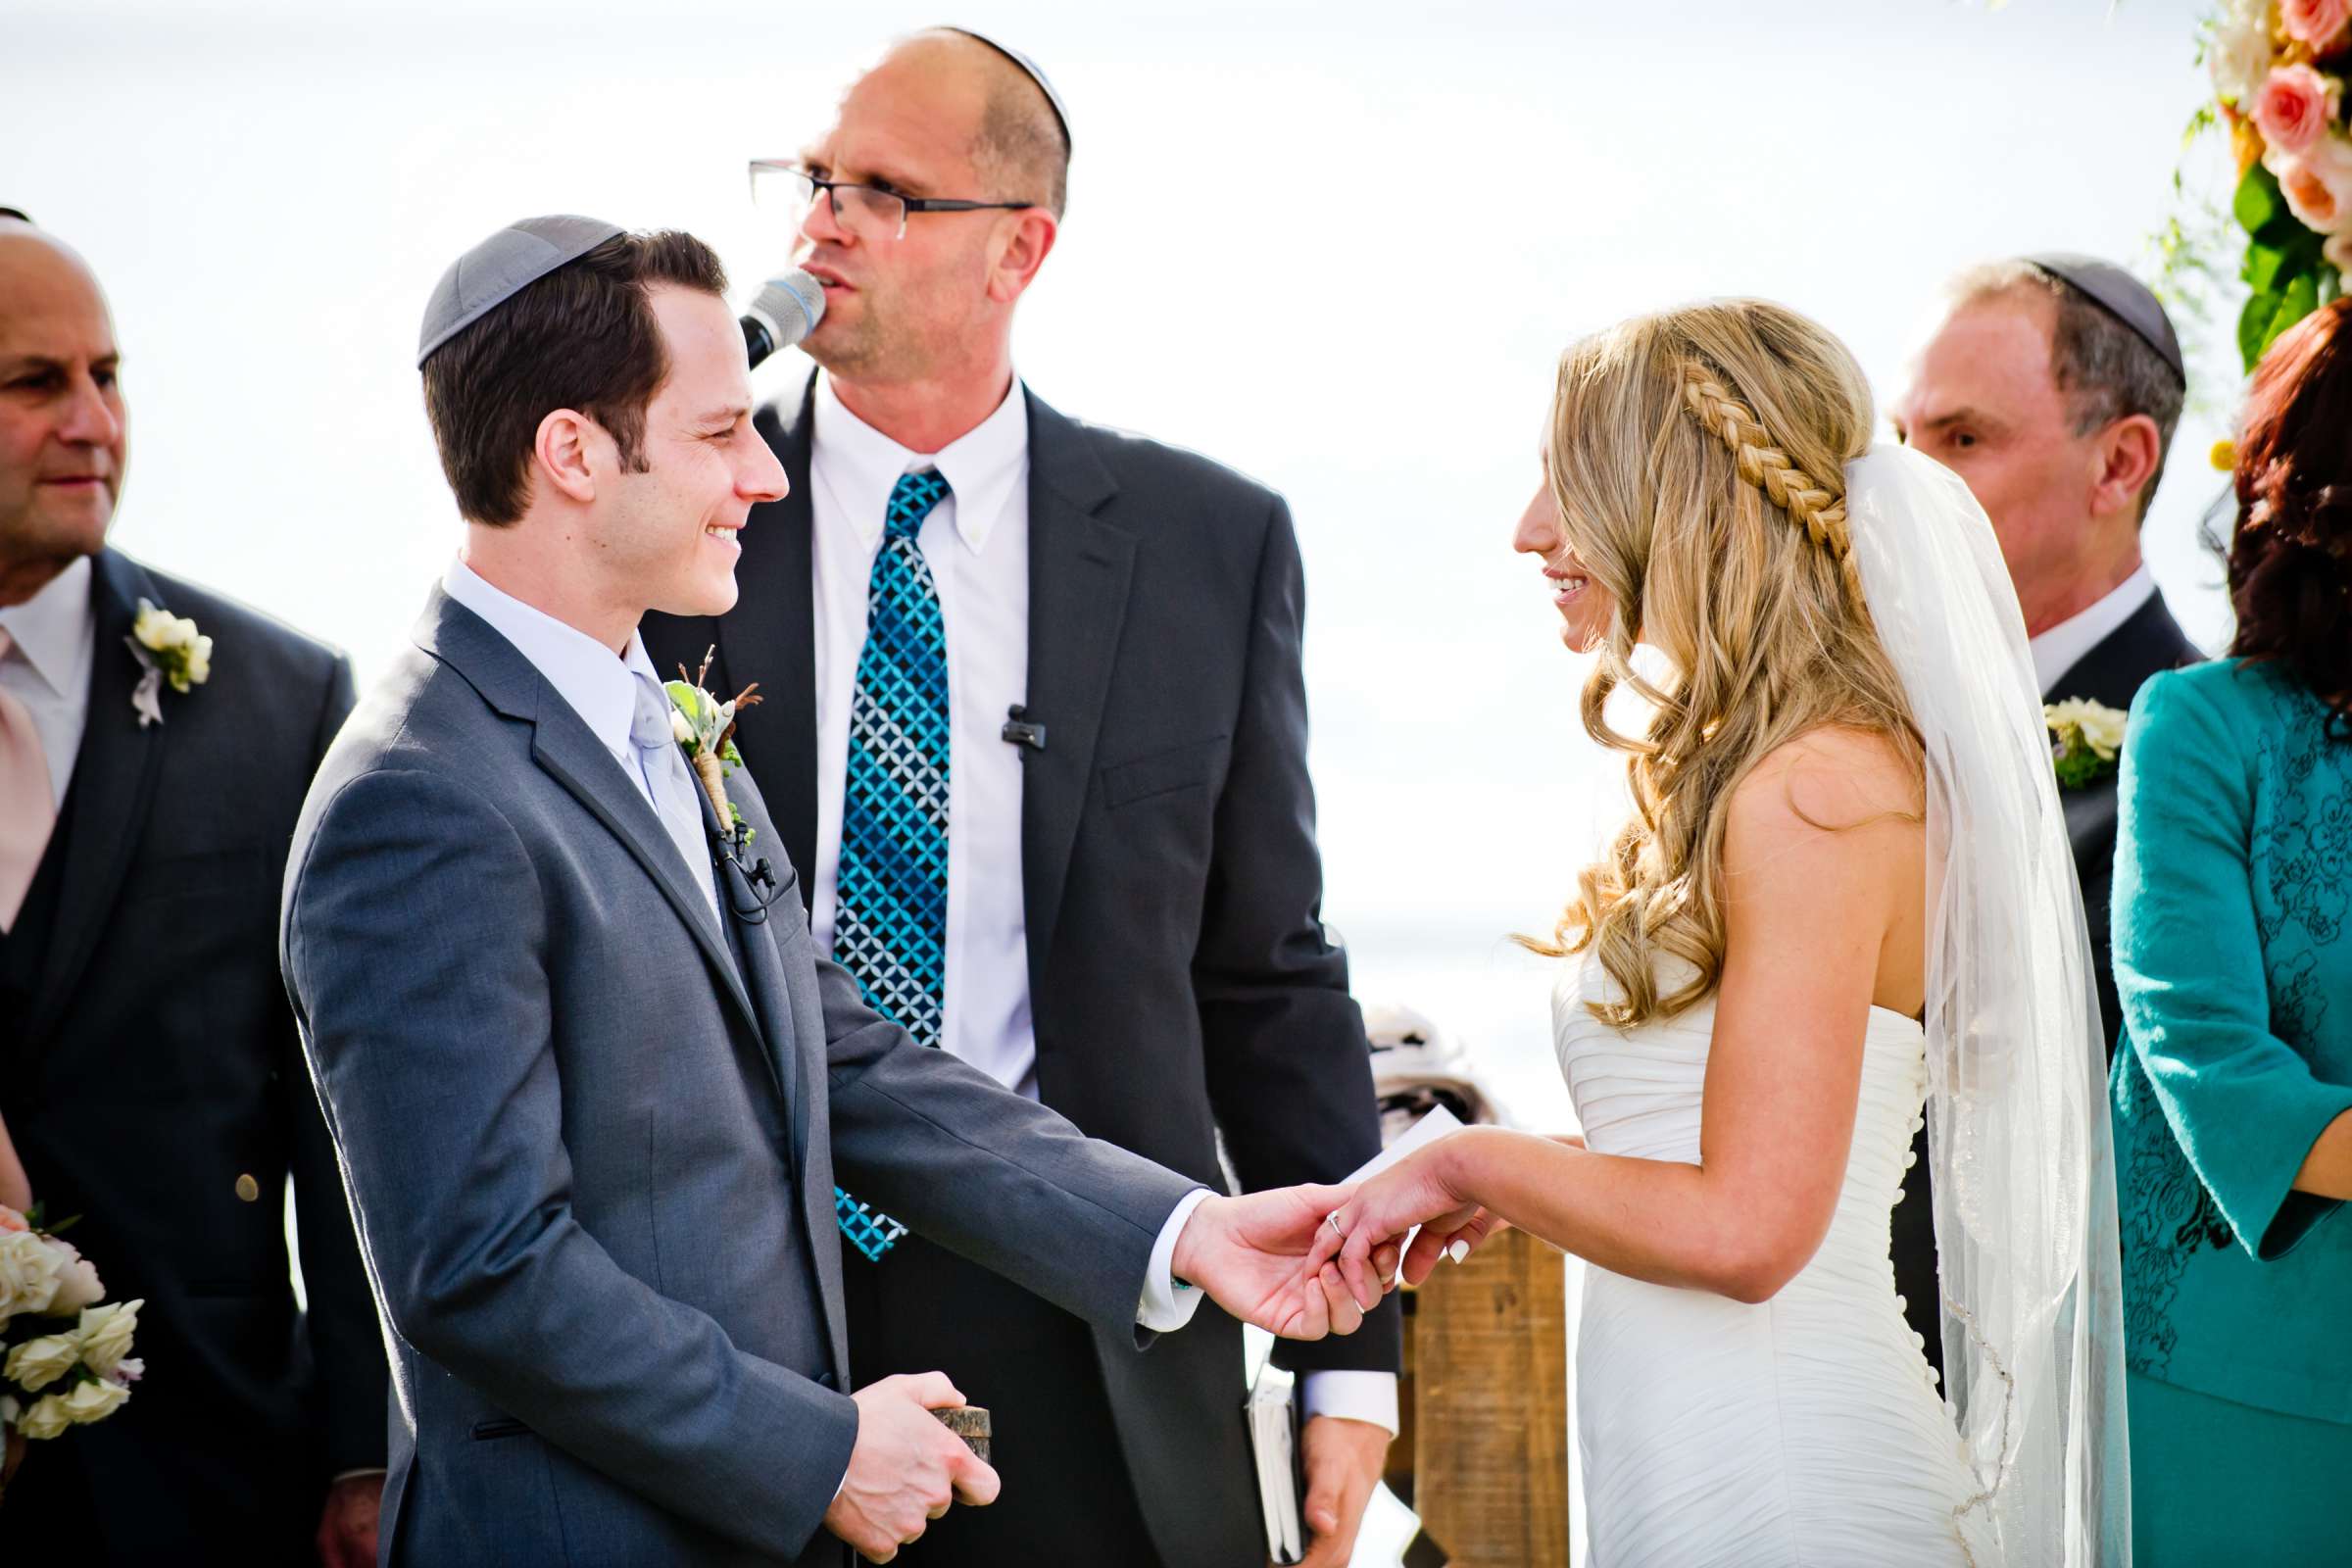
[(860, 464), (601, 689), (2063, 646), (57, 629)]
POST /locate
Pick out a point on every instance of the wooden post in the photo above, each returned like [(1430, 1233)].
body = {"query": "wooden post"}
[(1488, 1352)]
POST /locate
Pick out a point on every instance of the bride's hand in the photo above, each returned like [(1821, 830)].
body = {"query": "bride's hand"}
[(1437, 1237), (1425, 1190)]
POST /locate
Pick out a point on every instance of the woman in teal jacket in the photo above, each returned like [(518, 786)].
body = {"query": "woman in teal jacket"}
[(2233, 922)]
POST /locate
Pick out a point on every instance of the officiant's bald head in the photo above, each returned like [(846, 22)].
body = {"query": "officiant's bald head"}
[(2052, 384), (926, 293)]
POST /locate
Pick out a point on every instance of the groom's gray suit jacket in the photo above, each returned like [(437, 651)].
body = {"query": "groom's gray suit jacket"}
[(589, 1135)]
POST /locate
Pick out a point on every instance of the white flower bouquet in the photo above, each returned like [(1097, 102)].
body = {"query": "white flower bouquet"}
[(64, 1353)]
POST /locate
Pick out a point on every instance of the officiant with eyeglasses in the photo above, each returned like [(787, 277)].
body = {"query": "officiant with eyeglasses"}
[(1047, 783)]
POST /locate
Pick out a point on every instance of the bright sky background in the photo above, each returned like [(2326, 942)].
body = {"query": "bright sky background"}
[(1338, 246)]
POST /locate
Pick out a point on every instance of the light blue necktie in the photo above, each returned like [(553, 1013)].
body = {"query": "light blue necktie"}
[(890, 926), (663, 767)]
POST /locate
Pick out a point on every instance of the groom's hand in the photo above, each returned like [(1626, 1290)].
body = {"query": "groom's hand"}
[(905, 1468), (1343, 1460), (1250, 1254)]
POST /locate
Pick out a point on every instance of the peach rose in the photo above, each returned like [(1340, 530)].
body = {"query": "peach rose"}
[(2293, 108), (2317, 22), (2317, 185)]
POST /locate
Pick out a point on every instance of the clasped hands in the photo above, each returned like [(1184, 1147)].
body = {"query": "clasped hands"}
[(1255, 1258)]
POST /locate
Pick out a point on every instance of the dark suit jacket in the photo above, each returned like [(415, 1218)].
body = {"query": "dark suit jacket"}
[(589, 1128), (2110, 674), (1179, 980), (148, 1067)]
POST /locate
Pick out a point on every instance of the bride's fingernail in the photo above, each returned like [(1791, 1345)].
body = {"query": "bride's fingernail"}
[(1459, 1251)]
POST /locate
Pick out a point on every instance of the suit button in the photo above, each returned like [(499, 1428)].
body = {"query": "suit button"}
[(824, 1380), (248, 1189)]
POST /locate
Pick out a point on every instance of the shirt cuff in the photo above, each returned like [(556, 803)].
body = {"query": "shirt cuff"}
[(1352, 1395), (1169, 1302), (355, 1474)]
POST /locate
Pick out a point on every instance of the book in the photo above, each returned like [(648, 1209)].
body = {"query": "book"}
[(1273, 1423)]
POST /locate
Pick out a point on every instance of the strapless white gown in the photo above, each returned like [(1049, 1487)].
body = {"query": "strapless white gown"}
[(1804, 1430)]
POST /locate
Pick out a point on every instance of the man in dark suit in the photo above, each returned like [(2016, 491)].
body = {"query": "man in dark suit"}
[(149, 1069), (1046, 776), (2054, 386)]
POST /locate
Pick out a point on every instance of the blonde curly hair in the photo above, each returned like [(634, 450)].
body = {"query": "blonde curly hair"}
[(1698, 462)]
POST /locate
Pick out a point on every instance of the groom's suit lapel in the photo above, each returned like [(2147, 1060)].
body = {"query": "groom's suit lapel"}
[(771, 990), (563, 748)]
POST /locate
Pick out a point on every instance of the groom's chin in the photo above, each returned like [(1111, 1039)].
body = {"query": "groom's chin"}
[(714, 594)]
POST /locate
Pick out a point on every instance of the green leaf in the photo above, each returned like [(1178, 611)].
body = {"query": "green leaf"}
[(2259, 328), (2258, 204), (689, 701)]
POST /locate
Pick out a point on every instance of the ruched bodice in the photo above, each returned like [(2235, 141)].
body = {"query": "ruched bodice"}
[(1804, 1430)]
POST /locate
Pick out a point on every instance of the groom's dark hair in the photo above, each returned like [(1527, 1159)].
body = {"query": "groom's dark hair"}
[(582, 337)]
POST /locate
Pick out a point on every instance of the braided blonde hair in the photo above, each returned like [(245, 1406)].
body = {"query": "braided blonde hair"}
[(1697, 460)]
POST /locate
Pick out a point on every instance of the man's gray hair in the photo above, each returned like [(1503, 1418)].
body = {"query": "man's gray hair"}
[(2106, 370)]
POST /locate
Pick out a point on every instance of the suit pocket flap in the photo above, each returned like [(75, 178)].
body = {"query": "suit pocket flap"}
[(1176, 769), (489, 1430)]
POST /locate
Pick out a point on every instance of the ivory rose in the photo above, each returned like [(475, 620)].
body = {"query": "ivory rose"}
[(2338, 251), (2317, 185), (36, 1363), (45, 1420), (2238, 53), (77, 1282), (104, 1335), (94, 1402), (28, 1271)]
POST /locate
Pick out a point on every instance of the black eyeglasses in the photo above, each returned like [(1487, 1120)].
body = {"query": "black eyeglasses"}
[(789, 191)]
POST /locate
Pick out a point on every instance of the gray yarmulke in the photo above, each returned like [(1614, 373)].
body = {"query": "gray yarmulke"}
[(489, 274), (2119, 295)]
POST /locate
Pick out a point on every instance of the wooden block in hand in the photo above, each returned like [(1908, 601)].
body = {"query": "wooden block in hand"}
[(970, 1423)]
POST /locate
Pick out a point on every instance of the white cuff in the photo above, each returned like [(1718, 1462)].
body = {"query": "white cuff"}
[(356, 1475), (1352, 1395), (1169, 1302)]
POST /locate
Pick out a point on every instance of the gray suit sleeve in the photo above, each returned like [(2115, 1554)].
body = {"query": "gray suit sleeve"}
[(986, 1173), (415, 928), (345, 1344)]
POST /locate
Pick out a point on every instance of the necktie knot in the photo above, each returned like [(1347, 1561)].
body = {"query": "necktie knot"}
[(912, 500), (650, 725)]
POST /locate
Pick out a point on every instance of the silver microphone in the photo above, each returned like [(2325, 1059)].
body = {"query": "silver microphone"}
[(787, 309)]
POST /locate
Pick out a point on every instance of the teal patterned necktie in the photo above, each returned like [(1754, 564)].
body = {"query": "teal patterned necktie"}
[(890, 925)]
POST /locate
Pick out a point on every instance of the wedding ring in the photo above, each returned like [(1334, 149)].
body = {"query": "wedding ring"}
[(1332, 1219)]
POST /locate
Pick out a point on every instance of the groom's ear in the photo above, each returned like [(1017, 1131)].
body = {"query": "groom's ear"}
[(565, 452)]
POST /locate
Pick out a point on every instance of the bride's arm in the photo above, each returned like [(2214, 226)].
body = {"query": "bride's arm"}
[(1808, 913), (14, 1191)]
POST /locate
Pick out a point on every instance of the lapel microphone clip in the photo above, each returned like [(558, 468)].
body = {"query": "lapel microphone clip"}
[(1018, 731)]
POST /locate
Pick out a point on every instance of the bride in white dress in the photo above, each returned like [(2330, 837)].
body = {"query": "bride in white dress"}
[(1844, 900)]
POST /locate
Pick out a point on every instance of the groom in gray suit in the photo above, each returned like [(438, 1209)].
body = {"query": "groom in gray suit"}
[(586, 1074)]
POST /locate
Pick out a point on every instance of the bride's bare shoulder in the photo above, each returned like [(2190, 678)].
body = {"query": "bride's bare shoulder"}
[(1836, 781)]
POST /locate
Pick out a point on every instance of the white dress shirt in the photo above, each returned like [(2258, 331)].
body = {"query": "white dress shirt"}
[(48, 669), (601, 687), (976, 542), (2062, 647)]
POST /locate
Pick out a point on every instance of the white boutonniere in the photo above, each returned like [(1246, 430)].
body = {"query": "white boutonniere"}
[(705, 728), (168, 647), (2085, 738)]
